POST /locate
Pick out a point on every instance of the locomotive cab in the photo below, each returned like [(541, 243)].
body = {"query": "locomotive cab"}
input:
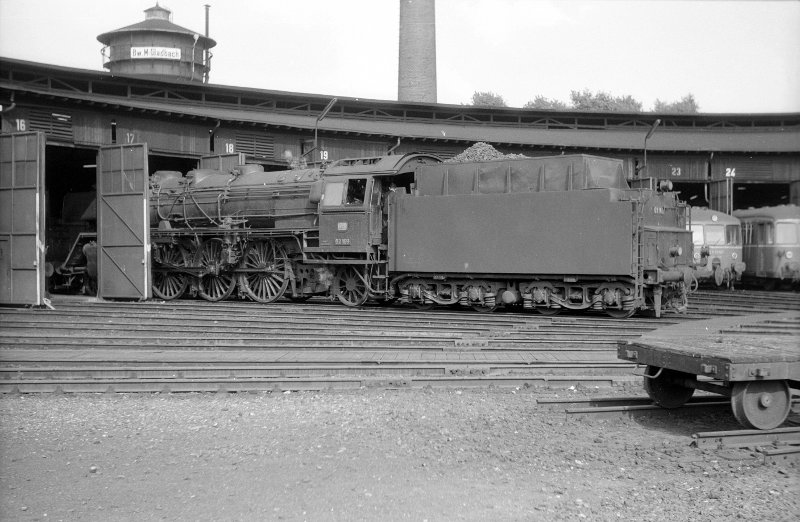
[(350, 214)]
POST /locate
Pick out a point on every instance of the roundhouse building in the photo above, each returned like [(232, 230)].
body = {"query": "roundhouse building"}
[(724, 161)]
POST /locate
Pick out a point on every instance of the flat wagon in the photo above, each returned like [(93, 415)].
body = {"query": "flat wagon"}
[(754, 360)]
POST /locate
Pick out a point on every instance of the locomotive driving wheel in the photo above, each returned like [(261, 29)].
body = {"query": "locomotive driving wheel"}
[(265, 278), (169, 283), (216, 284), (663, 386), (350, 287), (761, 405)]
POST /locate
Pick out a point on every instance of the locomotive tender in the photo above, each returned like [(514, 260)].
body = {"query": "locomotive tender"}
[(546, 234)]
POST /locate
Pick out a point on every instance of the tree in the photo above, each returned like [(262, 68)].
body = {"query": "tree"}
[(585, 100), (540, 102), (686, 105), (487, 99)]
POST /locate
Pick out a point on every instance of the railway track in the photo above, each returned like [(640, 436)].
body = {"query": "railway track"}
[(778, 446), (85, 345)]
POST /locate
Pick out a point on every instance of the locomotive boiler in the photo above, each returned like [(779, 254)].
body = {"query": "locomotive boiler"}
[(544, 234)]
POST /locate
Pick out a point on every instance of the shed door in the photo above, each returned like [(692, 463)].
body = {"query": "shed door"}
[(22, 214), (720, 195), (123, 235)]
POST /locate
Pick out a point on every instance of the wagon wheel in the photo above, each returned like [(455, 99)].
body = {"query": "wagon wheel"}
[(762, 405), (167, 282), (265, 280), (350, 288), (663, 388), (215, 285)]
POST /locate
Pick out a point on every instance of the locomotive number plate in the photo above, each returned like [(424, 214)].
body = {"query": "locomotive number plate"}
[(341, 241)]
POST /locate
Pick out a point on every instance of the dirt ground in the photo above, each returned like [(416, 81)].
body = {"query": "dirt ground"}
[(488, 454)]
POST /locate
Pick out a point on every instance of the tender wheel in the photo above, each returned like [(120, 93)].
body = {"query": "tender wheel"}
[(168, 283), (484, 309), (664, 390), (620, 314), (351, 290), (265, 278), (548, 311), (217, 284), (762, 405)]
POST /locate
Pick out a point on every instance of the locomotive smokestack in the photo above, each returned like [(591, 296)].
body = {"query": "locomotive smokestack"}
[(417, 65)]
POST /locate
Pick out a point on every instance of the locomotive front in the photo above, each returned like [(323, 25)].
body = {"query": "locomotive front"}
[(717, 239)]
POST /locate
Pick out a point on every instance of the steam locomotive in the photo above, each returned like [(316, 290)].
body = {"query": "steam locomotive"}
[(545, 234)]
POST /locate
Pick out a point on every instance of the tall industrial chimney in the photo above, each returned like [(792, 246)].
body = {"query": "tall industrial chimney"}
[(416, 79)]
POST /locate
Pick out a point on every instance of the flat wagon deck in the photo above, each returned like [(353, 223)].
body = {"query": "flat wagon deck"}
[(754, 360)]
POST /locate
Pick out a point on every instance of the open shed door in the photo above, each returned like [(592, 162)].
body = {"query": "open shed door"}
[(22, 214), (123, 231), (720, 197)]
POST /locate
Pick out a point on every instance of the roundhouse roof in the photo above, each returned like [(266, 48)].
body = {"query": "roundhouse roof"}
[(380, 119)]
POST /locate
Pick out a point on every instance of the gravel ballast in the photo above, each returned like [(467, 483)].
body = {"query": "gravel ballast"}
[(472, 454)]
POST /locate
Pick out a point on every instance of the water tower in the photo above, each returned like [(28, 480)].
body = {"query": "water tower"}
[(157, 47)]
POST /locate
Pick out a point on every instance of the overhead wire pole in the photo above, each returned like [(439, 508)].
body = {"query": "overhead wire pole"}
[(647, 137), (321, 116)]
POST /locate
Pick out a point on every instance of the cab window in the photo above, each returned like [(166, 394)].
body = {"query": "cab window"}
[(332, 197), (356, 189), (786, 233), (715, 234)]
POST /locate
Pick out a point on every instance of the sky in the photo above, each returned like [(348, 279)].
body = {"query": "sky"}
[(733, 56)]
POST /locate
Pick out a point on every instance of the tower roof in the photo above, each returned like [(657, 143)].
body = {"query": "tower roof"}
[(157, 20)]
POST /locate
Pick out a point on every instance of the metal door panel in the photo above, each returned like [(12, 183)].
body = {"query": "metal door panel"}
[(720, 195), (123, 234), (224, 162), (22, 218)]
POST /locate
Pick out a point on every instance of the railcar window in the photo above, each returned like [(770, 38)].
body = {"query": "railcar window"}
[(733, 235), (786, 233), (333, 194), (765, 234), (697, 234), (715, 234)]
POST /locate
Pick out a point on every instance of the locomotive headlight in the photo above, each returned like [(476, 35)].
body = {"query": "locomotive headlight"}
[(734, 256), (697, 255), (789, 254)]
